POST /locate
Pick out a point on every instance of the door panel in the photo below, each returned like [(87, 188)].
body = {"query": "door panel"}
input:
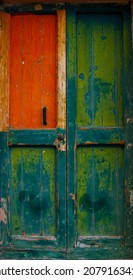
[(33, 192), (96, 134), (100, 191), (33, 79), (99, 70)]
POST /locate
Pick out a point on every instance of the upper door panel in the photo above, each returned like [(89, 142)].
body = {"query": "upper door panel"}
[(33, 71), (99, 70)]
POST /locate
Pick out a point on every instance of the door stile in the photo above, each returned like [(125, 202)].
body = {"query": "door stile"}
[(61, 126), (128, 121), (71, 127)]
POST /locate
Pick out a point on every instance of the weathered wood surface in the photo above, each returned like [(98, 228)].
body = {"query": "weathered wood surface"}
[(33, 71), (61, 89), (4, 64)]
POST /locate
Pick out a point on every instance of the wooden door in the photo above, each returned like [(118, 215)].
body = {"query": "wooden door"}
[(98, 93), (36, 138)]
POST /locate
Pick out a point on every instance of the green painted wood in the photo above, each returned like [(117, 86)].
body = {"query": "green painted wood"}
[(32, 192), (99, 70), (100, 191), (101, 136), (97, 148)]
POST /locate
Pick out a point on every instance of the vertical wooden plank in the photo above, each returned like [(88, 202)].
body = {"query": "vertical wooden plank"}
[(16, 83), (4, 214), (4, 75), (104, 83), (128, 100), (48, 70), (48, 191), (84, 98), (16, 225), (71, 128), (31, 72), (61, 117)]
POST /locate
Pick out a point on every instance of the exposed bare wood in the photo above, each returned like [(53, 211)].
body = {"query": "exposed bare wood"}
[(4, 39), (61, 122)]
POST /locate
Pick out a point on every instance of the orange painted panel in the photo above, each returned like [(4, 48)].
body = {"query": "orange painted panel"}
[(33, 71)]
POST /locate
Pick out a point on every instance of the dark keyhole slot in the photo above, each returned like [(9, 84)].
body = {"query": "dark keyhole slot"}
[(45, 115)]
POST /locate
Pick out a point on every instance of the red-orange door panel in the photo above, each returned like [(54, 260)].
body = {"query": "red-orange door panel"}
[(33, 71)]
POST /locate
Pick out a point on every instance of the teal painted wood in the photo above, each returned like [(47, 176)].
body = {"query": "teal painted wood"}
[(105, 253), (101, 136), (38, 190), (128, 99), (32, 254), (3, 188), (32, 137), (71, 127), (32, 192)]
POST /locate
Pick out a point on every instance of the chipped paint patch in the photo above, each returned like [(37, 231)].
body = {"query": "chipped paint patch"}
[(131, 198), (3, 211), (129, 145), (129, 120), (60, 145)]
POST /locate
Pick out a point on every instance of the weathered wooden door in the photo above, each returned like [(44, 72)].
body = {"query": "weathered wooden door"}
[(36, 138), (66, 164), (99, 97)]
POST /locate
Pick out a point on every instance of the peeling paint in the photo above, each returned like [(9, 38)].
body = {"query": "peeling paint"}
[(61, 70), (129, 120), (72, 196), (60, 145), (129, 145), (131, 198), (3, 211)]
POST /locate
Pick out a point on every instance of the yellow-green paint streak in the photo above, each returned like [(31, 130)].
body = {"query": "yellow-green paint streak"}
[(84, 175), (32, 191), (49, 161), (99, 190), (83, 71), (99, 70), (105, 165)]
